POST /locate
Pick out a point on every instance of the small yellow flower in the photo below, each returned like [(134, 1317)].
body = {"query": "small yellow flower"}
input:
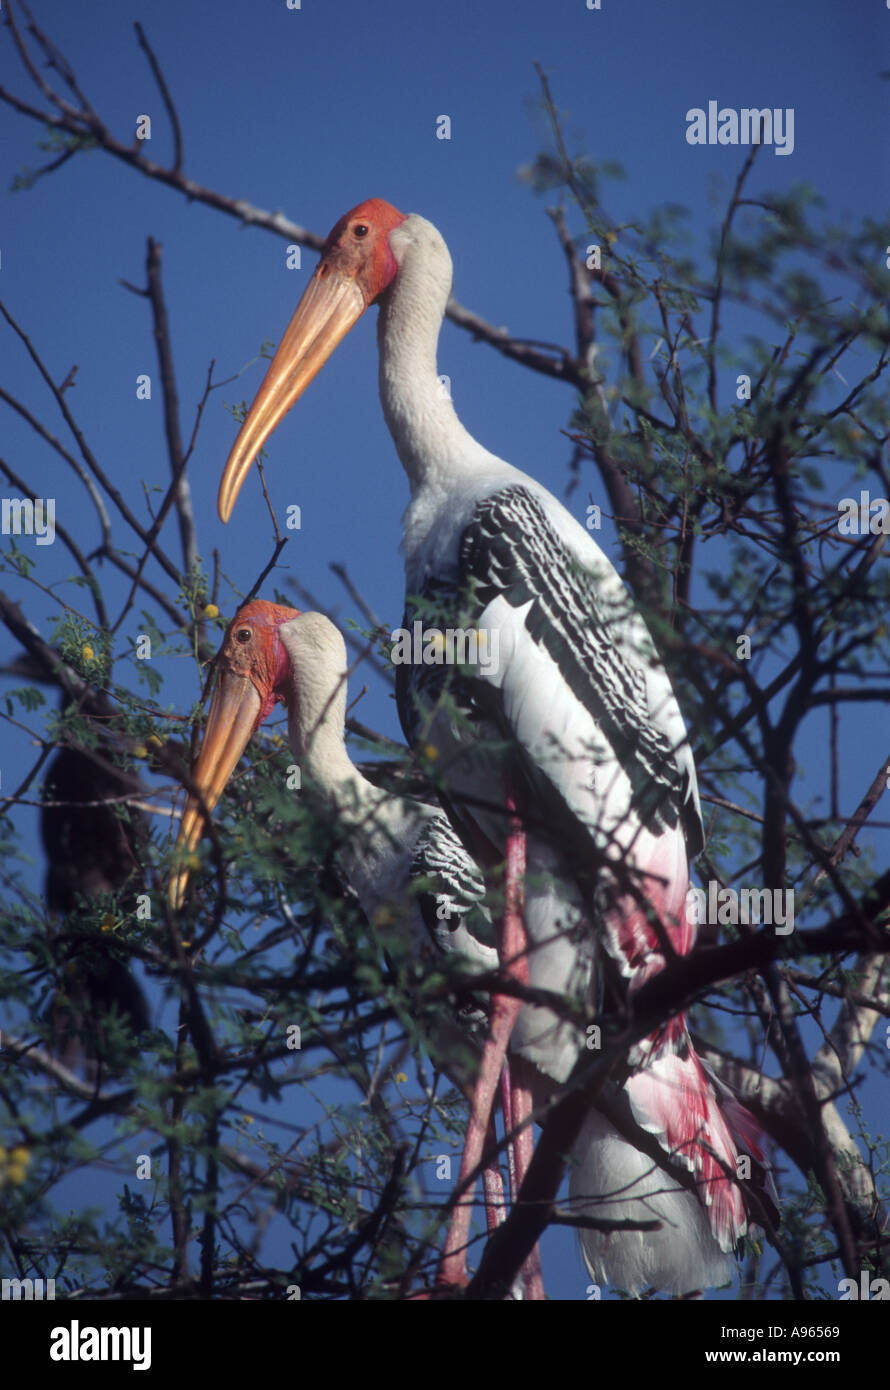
[(401, 1078), (248, 1119), (108, 923), (211, 611), (430, 751), (140, 750), (87, 653), (17, 1165), (155, 741)]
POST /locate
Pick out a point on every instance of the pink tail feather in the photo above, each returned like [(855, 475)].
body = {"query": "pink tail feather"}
[(696, 1121)]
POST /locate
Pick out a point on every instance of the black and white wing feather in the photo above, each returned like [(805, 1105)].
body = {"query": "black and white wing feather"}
[(571, 657)]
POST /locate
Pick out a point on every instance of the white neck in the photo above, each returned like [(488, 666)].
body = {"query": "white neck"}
[(316, 710), (431, 441), (376, 831)]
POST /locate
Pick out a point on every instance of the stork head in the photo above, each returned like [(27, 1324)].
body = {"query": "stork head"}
[(356, 266), (253, 672)]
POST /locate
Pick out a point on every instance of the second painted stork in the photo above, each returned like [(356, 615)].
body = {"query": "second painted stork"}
[(566, 748), (400, 857), (391, 851)]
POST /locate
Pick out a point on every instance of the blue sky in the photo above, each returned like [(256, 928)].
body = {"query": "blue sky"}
[(313, 110)]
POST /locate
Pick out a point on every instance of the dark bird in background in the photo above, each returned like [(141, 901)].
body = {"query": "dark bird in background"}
[(94, 843), (92, 851)]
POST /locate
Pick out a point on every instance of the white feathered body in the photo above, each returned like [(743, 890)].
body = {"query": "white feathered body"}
[(599, 759)]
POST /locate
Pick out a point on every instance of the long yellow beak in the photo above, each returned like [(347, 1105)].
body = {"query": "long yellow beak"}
[(234, 711), (329, 308)]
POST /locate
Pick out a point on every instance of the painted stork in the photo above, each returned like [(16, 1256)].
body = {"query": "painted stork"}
[(570, 747), (386, 845), (400, 857)]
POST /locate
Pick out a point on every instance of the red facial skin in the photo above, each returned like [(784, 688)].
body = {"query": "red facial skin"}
[(358, 246)]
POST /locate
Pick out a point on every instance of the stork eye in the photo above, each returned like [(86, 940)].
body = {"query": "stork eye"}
[(243, 634), (360, 229)]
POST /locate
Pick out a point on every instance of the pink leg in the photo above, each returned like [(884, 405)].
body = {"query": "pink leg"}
[(507, 1108), (504, 1011), (503, 1015), (521, 1106), (493, 1187), (519, 1109)]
